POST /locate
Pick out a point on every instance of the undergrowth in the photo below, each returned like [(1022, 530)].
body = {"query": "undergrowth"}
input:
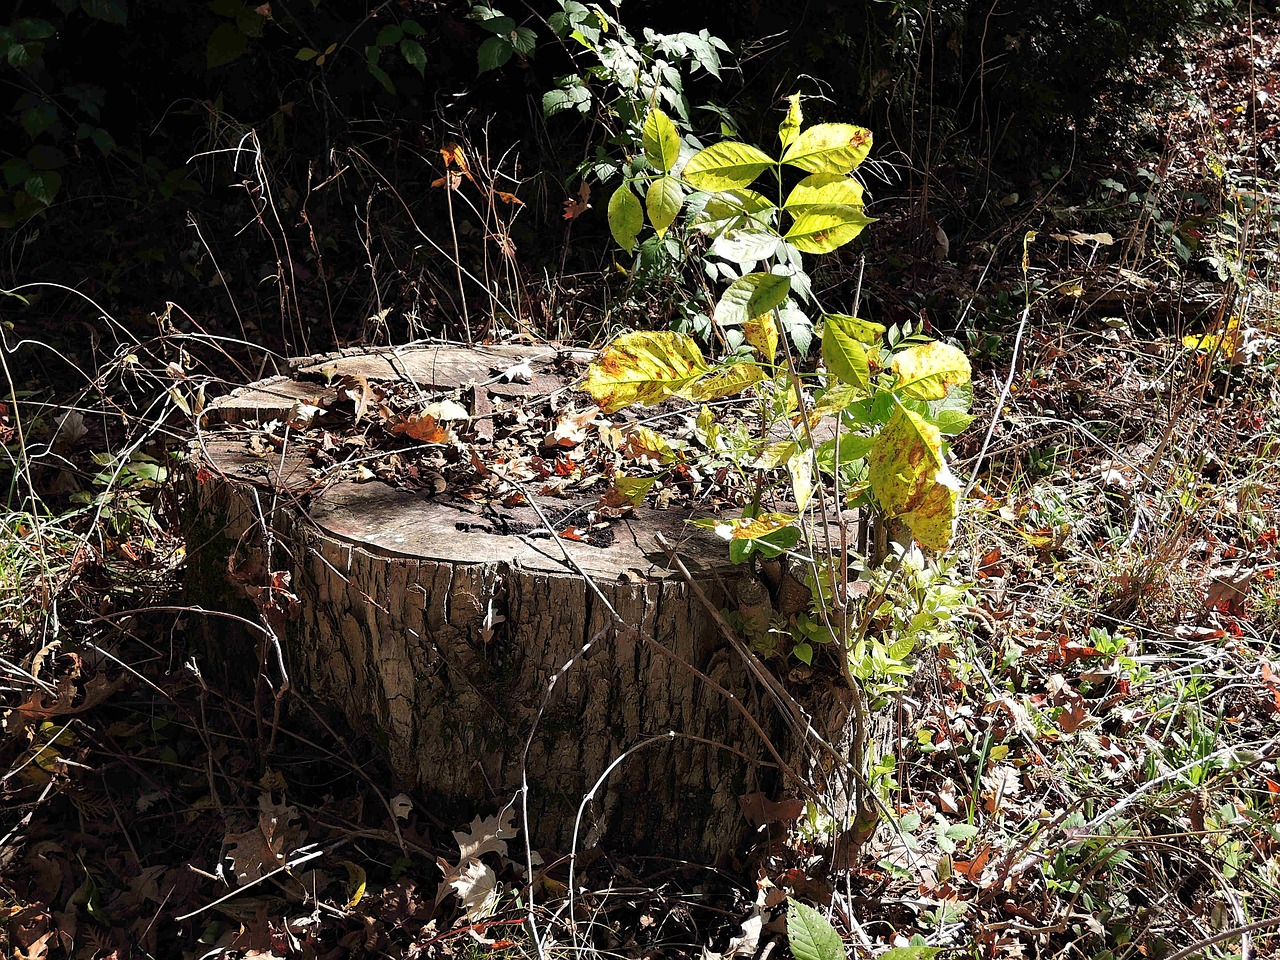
[(1084, 753)]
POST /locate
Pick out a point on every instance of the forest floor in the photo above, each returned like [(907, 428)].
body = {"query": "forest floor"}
[(1087, 765)]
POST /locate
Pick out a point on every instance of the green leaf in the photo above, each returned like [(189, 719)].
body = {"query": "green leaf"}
[(382, 77), (810, 935), (852, 448), (914, 952), (722, 208), (15, 171), (751, 296), (43, 186), (829, 148), (865, 330), (413, 28), (306, 53), (726, 166), (745, 246), (110, 11), (910, 478), (952, 422), (413, 54), (844, 352), (250, 22), (493, 53), (498, 25), (661, 140), (725, 382), (30, 28), (523, 40), (570, 95), (663, 200), (790, 126), (643, 368), (389, 35), (819, 192), (828, 229), (633, 489), (39, 118), (927, 371), (226, 43), (626, 217)]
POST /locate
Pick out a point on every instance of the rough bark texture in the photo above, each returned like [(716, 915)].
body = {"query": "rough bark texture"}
[(486, 660)]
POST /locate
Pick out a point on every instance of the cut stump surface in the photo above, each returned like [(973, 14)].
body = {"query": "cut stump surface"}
[(485, 658)]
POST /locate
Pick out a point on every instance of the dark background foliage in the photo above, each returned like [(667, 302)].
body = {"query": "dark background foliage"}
[(141, 137)]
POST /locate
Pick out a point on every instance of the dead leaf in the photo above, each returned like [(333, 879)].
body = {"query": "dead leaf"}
[(356, 388), (42, 706), (488, 835), (423, 428), (476, 885), (760, 810), (571, 427), (453, 156), (257, 852), (1075, 236), (574, 208)]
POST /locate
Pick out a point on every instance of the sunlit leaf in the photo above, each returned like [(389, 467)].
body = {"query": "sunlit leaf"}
[(829, 148), (663, 200), (775, 454), (816, 193), (661, 140), (836, 399), (726, 166), (745, 246), (810, 935), (910, 478), (626, 217), (356, 882), (790, 126), (633, 490), (866, 331), (726, 382), (828, 229), (753, 528), (644, 368), (844, 352), (851, 447), (750, 296), (800, 469), (727, 209), (1226, 344), (762, 333), (927, 370)]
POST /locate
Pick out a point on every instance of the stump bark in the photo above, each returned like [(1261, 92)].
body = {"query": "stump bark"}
[(486, 661)]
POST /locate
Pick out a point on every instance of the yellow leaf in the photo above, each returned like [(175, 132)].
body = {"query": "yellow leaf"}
[(1226, 344), (762, 333), (821, 190), (644, 368), (910, 478), (927, 370), (829, 148), (726, 166), (753, 528), (356, 882), (775, 454), (789, 127), (725, 382)]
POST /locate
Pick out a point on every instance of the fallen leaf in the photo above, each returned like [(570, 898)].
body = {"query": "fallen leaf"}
[(424, 428), (576, 207)]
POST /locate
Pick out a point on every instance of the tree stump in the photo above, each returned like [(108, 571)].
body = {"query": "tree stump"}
[(488, 658)]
